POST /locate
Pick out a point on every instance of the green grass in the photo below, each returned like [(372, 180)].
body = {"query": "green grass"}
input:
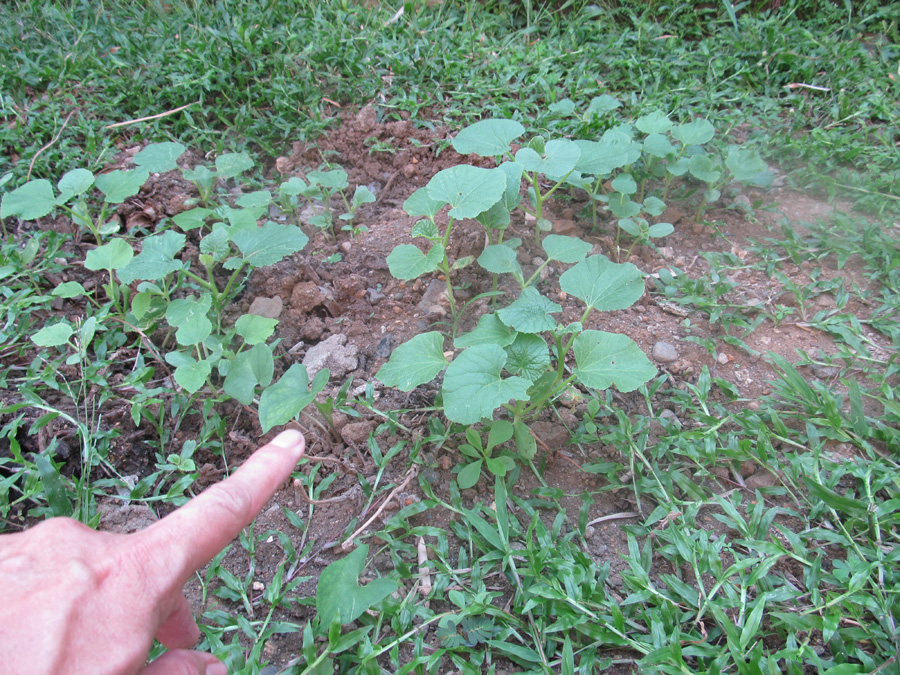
[(796, 577)]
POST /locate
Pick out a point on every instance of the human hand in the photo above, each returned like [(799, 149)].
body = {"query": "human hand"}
[(79, 601)]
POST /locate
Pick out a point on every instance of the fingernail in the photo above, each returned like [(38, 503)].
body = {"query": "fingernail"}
[(217, 668), (288, 439)]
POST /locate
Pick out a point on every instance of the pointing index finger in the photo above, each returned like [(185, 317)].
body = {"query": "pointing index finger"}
[(185, 540)]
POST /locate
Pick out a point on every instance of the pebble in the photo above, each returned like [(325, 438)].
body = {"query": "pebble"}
[(664, 352), (824, 372), (269, 308)]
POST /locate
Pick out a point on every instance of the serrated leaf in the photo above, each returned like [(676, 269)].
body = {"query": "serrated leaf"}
[(602, 284), (470, 190), (160, 157), (255, 199), (698, 132), (30, 201), (488, 138), (530, 313), (338, 593), (606, 359), (408, 262), (120, 185), (189, 373), (188, 316), (565, 249), (656, 122), (529, 356), (156, 259), (420, 204), (269, 244), (74, 183), (283, 401), (558, 159), (248, 369), (473, 387), (53, 336), (192, 219), (490, 330), (500, 259), (111, 256), (255, 329), (233, 164), (415, 362)]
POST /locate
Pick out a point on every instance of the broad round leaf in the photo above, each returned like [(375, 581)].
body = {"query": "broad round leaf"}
[(704, 168), (248, 369), (565, 249), (488, 138), (489, 331), (189, 373), (602, 104), (658, 145), (188, 315), (156, 259), (613, 151), (602, 284), (269, 244), (558, 159), (473, 387), (192, 219), (112, 256), (120, 185), (499, 259), (698, 132), (415, 362), (530, 313), (470, 190), (254, 199), (53, 336), (660, 230), (255, 329), (625, 184), (160, 157), (32, 200), (420, 204), (283, 401), (73, 183), (408, 262), (529, 356), (656, 122), (233, 164), (606, 359), (339, 595)]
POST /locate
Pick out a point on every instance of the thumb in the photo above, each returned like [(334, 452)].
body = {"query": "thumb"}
[(185, 662)]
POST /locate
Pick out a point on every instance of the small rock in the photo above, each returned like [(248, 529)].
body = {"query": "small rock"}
[(384, 347), (825, 300), (760, 479), (346, 246), (366, 118), (124, 518), (589, 532), (373, 295), (434, 299), (269, 308), (664, 352), (409, 170), (305, 296), (723, 358), (824, 372), (356, 433), (334, 354), (259, 586), (565, 227)]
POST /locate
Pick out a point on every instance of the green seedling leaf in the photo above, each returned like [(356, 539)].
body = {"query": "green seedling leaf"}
[(362, 195), (660, 230), (52, 486), (496, 217), (191, 220), (679, 167), (512, 196), (339, 595), (255, 366), (255, 329), (623, 206), (420, 204), (501, 431), (656, 122), (565, 106), (112, 256), (658, 145), (630, 227), (698, 132), (415, 362), (283, 401), (408, 262), (558, 159), (232, 164), (488, 138), (600, 105), (625, 184), (188, 315), (606, 359), (292, 187), (565, 249), (200, 176), (160, 157), (69, 289), (189, 373), (705, 168), (256, 199), (30, 201), (654, 206), (243, 218), (426, 229), (529, 356), (335, 179), (217, 244), (156, 259), (530, 313), (500, 466), (525, 442), (613, 151), (490, 330), (462, 262), (468, 476), (74, 183), (499, 259), (269, 244), (120, 185), (847, 505), (53, 336), (473, 387), (470, 190), (602, 284), (747, 166)]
